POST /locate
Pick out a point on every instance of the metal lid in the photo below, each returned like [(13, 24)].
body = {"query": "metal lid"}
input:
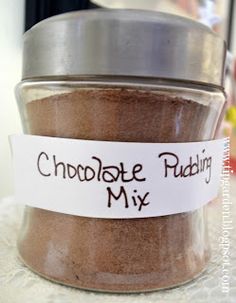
[(123, 43)]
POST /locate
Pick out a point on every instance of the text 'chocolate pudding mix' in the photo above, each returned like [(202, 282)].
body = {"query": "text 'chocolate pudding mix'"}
[(119, 158)]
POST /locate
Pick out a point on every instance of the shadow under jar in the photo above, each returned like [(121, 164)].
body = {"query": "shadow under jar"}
[(119, 255)]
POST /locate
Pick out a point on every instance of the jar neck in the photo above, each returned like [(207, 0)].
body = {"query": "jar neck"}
[(126, 81)]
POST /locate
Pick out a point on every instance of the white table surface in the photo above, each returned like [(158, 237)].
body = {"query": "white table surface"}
[(19, 285)]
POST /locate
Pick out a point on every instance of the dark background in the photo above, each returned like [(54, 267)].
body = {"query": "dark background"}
[(37, 10)]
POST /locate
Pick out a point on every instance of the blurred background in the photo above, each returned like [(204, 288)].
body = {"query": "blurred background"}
[(17, 16)]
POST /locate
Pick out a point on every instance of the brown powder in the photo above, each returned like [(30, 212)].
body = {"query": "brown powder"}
[(122, 255)]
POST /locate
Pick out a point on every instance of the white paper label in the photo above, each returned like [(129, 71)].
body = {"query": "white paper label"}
[(115, 179)]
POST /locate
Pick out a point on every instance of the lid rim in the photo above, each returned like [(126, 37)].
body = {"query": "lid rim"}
[(125, 44), (119, 78)]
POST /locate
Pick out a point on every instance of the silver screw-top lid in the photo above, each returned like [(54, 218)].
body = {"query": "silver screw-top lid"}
[(123, 43)]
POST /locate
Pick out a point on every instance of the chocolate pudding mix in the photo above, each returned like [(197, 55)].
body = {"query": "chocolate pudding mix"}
[(118, 76), (123, 254)]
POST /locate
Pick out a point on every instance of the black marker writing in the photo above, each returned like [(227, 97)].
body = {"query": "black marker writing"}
[(195, 166), (122, 196)]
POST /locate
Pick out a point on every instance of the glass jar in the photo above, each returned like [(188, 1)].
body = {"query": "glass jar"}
[(119, 101)]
